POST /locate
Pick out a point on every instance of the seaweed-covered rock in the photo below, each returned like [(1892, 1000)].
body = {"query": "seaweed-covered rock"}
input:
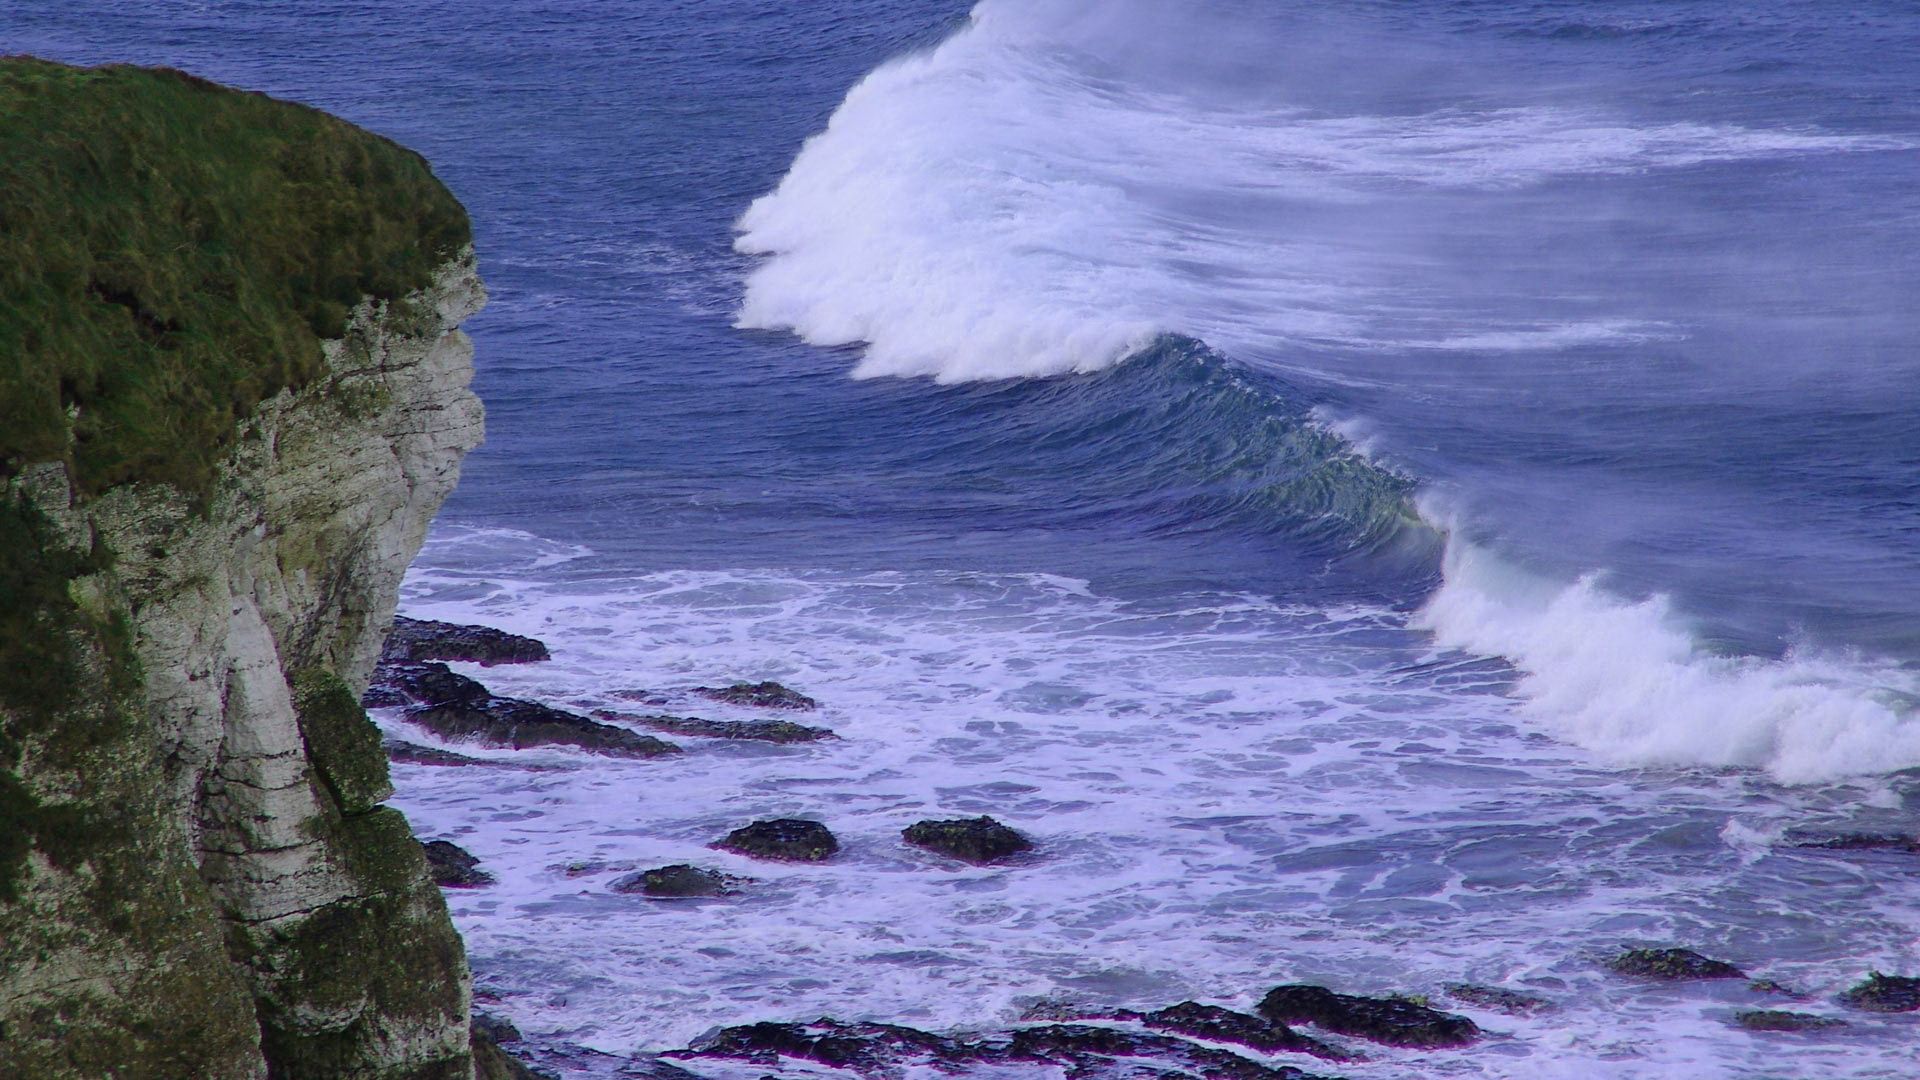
[(519, 724), (1393, 1021), (760, 695), (1085, 1050), (1884, 993), (1776, 1020), (1672, 964), (771, 731), (414, 640), (1500, 999), (453, 867), (978, 840), (676, 882), (782, 840)]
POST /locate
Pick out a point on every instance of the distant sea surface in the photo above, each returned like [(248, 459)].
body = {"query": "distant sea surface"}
[(1386, 494)]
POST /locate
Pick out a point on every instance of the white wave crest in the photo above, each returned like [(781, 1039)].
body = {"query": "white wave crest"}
[(1037, 195), (1629, 681)]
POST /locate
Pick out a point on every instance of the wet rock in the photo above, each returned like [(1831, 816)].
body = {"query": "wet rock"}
[(414, 754), (772, 731), (1214, 1023), (589, 867), (1775, 1020), (453, 867), (978, 840), (676, 882), (782, 840), (881, 1050), (415, 640), (1884, 993), (760, 695), (518, 724), (1673, 964), (1768, 986), (1511, 1002), (397, 684), (1858, 842), (490, 1062), (1393, 1021)]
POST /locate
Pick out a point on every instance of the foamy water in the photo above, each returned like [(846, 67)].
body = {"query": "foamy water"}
[(1228, 793)]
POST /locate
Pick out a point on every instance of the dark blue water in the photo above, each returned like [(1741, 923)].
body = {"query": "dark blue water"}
[(1620, 300)]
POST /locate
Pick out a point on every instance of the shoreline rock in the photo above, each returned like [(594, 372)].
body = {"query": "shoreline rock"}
[(1672, 965), (760, 695), (782, 732), (1884, 993), (454, 867), (677, 882), (418, 640), (454, 707), (1392, 1021)]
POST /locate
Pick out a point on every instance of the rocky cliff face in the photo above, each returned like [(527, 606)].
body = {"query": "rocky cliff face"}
[(199, 878)]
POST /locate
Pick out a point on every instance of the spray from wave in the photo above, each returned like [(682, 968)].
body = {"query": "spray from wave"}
[(1042, 194)]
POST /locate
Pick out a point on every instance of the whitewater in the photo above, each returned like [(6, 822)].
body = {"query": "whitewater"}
[(1385, 495)]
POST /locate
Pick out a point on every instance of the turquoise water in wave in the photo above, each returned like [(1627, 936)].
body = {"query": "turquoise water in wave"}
[(1390, 494)]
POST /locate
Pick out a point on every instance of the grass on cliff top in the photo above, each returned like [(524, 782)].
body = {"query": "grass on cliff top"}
[(172, 252)]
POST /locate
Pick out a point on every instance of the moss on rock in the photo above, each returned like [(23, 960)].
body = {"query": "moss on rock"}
[(172, 252), (342, 742)]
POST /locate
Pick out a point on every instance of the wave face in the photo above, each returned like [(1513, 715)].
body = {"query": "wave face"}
[(1519, 290)]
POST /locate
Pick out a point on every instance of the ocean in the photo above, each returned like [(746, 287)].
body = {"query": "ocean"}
[(1386, 494)]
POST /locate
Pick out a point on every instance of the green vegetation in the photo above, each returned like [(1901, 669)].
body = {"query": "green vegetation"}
[(342, 743), (172, 252)]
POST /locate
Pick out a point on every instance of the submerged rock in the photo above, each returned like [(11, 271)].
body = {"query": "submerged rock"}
[(676, 882), (771, 731), (1884, 993), (1776, 1020), (760, 695), (1393, 1021), (415, 640), (453, 867), (1672, 964), (1511, 1002), (978, 840), (782, 840), (1859, 842)]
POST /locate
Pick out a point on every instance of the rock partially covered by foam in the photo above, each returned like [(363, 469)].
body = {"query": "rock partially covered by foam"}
[(414, 640), (978, 840), (1776, 1020), (782, 840), (760, 695), (455, 707), (1393, 1021), (676, 882), (1674, 964), (1884, 993)]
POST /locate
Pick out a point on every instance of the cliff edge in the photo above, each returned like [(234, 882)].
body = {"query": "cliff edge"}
[(233, 394)]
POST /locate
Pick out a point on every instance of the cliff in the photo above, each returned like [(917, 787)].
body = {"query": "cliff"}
[(233, 393)]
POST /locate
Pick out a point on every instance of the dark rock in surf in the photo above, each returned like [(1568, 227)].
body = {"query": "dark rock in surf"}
[(1775, 1020), (407, 753), (1213, 1023), (1500, 999), (453, 867), (1906, 845), (486, 1034), (885, 1049), (978, 840), (678, 882), (760, 695), (782, 840), (1671, 964), (416, 640), (1884, 993), (456, 707), (769, 731), (421, 684), (1392, 1021)]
